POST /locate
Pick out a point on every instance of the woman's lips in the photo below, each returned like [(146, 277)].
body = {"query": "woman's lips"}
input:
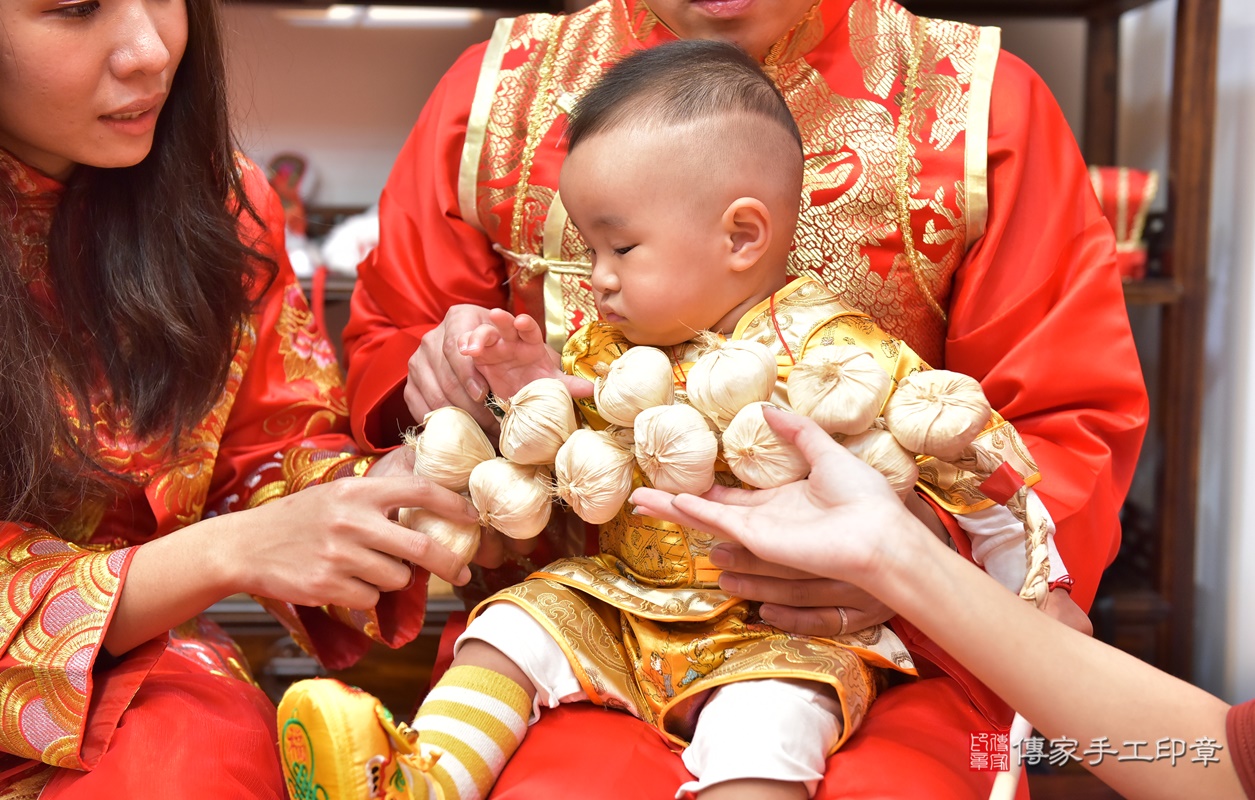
[(723, 8), (133, 123), (138, 117)]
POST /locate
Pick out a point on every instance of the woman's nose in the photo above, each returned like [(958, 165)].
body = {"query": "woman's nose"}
[(140, 46)]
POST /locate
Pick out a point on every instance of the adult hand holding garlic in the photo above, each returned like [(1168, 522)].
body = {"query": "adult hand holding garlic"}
[(793, 598)]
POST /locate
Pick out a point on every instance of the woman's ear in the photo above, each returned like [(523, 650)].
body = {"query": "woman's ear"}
[(747, 225)]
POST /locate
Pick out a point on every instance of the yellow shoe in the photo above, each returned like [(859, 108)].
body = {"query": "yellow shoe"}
[(337, 742)]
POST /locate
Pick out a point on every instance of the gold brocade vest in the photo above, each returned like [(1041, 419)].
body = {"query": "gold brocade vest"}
[(893, 111), (642, 555)]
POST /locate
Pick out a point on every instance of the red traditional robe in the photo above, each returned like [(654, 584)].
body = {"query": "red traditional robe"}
[(186, 702), (944, 195)]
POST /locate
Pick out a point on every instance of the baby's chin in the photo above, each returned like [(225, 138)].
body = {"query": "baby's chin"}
[(652, 338), (661, 342)]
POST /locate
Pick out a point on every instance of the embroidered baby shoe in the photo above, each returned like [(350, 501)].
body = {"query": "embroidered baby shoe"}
[(337, 742)]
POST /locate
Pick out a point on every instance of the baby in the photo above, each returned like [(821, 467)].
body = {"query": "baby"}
[(683, 176)]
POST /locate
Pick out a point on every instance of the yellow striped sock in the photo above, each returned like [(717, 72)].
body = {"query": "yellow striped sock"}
[(477, 717)]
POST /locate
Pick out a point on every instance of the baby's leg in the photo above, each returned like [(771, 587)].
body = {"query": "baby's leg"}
[(340, 742), (763, 739), (505, 665), (526, 644)]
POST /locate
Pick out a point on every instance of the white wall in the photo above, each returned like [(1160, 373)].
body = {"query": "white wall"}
[(344, 97), (1225, 659)]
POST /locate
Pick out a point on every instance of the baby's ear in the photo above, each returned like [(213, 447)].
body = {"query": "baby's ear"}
[(747, 225)]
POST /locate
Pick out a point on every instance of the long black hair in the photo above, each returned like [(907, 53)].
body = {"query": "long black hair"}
[(151, 281)]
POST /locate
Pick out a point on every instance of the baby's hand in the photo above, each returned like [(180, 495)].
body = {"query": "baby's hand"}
[(510, 352), (1059, 604)]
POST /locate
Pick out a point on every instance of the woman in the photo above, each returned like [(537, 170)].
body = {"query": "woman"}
[(161, 368), (846, 523)]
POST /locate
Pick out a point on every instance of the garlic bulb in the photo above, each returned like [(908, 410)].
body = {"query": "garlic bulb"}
[(639, 379), (676, 449), (730, 376), (841, 387), (757, 454), (937, 413), (463, 540), (449, 447), (879, 449), (538, 419), (594, 475), (624, 437), (512, 498)]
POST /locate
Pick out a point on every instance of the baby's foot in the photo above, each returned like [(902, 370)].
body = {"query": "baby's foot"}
[(340, 743)]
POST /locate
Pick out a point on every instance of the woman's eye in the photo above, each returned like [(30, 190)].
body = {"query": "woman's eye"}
[(79, 10), (622, 251)]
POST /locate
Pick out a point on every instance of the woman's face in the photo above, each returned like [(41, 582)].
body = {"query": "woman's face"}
[(82, 81)]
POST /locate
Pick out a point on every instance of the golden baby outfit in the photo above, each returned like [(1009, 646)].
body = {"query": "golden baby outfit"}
[(644, 623)]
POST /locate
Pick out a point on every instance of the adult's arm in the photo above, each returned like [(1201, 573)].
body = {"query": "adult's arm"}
[(64, 606), (845, 522), (326, 562), (428, 260)]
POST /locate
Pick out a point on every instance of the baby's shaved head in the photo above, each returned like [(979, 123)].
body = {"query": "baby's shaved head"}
[(728, 130), (679, 82)]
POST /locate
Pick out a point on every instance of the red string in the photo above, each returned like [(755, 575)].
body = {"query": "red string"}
[(679, 367), (318, 298), (776, 324)]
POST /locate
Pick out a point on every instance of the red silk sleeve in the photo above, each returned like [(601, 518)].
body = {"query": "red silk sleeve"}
[(427, 260), (1240, 731), (57, 603), (1038, 316), (287, 430)]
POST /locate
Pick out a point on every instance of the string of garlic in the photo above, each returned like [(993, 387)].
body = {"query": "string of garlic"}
[(463, 540), (841, 387), (512, 498), (450, 446), (937, 413), (728, 376), (757, 454), (878, 448), (639, 379), (537, 420), (593, 474), (676, 449)]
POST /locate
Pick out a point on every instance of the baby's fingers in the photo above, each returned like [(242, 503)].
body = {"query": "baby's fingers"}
[(529, 330), (503, 321), (479, 340)]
